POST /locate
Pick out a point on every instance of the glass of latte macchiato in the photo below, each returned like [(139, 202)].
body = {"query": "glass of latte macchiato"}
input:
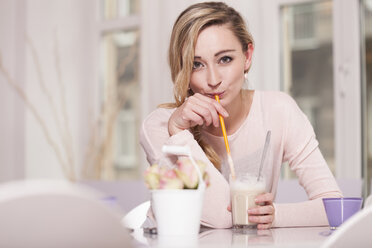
[(243, 192)]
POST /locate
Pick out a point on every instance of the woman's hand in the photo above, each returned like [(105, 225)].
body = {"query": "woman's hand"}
[(196, 110), (263, 215)]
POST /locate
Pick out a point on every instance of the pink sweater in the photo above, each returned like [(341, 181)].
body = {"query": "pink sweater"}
[(292, 140)]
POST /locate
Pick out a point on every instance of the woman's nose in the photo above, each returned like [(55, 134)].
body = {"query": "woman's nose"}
[(214, 78)]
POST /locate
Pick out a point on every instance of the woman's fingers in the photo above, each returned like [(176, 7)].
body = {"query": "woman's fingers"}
[(261, 218), (193, 118), (204, 107), (266, 198), (214, 108), (196, 110), (216, 105), (203, 112), (264, 213), (221, 110), (268, 209)]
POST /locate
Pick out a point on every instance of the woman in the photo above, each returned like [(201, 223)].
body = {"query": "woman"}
[(210, 52)]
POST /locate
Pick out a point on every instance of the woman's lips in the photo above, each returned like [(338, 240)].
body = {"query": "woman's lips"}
[(220, 94)]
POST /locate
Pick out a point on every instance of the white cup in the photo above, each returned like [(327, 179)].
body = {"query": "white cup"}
[(177, 211)]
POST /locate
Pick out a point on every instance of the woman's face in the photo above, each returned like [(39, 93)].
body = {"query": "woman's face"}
[(219, 64)]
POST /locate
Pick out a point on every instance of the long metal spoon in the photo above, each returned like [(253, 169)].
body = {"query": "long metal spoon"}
[(267, 141)]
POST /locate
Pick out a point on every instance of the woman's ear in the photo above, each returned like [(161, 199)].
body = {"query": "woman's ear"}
[(248, 57)]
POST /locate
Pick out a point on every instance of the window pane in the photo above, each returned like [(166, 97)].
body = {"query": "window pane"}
[(121, 88), (307, 68), (368, 73), (113, 9)]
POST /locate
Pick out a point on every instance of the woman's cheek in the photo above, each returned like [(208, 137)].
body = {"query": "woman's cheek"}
[(233, 76), (196, 81)]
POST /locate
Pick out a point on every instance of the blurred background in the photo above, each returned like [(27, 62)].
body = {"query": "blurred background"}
[(77, 78)]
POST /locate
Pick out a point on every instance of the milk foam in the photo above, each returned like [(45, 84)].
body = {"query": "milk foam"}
[(247, 183)]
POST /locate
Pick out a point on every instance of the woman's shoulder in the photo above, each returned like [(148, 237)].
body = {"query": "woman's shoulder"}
[(276, 98), (159, 115), (278, 104)]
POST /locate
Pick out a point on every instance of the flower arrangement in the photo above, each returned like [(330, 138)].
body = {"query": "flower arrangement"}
[(182, 176)]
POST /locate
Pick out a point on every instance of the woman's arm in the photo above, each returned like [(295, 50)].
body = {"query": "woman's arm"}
[(154, 134), (318, 182), (305, 159)]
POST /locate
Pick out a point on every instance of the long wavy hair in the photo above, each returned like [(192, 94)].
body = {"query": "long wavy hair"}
[(185, 32)]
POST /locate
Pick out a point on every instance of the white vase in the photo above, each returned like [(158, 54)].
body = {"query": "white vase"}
[(177, 211)]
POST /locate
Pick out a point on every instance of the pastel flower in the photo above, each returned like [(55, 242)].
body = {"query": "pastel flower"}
[(187, 173), (169, 180), (152, 177), (202, 166), (206, 179), (182, 177)]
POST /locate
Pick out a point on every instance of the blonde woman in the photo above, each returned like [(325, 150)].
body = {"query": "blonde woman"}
[(209, 54)]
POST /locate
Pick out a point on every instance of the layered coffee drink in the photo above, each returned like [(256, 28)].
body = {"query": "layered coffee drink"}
[(243, 192)]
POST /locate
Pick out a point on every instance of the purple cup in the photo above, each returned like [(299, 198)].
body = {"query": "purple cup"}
[(338, 210)]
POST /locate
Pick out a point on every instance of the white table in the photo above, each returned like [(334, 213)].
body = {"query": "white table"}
[(276, 237)]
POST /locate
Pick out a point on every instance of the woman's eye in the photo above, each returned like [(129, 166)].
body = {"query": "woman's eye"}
[(225, 60), (197, 65)]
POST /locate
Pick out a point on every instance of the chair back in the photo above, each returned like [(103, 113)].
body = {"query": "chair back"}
[(368, 201), (57, 214), (355, 232)]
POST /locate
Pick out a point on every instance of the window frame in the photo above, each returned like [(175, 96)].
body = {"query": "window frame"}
[(104, 26), (347, 69)]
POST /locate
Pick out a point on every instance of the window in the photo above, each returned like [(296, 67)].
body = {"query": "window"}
[(120, 89), (367, 32), (307, 68), (115, 9)]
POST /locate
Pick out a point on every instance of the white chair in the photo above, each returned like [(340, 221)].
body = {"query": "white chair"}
[(57, 214), (368, 201), (137, 216), (355, 232)]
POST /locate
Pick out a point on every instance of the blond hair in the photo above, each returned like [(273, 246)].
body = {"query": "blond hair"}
[(185, 32)]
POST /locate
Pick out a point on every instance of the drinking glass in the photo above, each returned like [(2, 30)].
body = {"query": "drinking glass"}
[(243, 191), (338, 210)]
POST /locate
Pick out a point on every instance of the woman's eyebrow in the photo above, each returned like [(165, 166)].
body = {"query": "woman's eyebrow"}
[(224, 51), (218, 53)]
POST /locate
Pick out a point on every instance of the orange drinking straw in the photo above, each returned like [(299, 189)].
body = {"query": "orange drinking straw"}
[(229, 159)]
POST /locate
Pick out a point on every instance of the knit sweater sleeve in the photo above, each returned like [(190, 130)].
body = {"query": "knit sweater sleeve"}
[(302, 153)]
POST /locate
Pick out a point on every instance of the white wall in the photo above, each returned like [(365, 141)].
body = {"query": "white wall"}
[(11, 108), (72, 23)]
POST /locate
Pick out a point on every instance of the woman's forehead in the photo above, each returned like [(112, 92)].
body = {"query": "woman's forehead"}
[(214, 39)]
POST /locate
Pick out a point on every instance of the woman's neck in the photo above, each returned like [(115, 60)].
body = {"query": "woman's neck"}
[(238, 111)]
